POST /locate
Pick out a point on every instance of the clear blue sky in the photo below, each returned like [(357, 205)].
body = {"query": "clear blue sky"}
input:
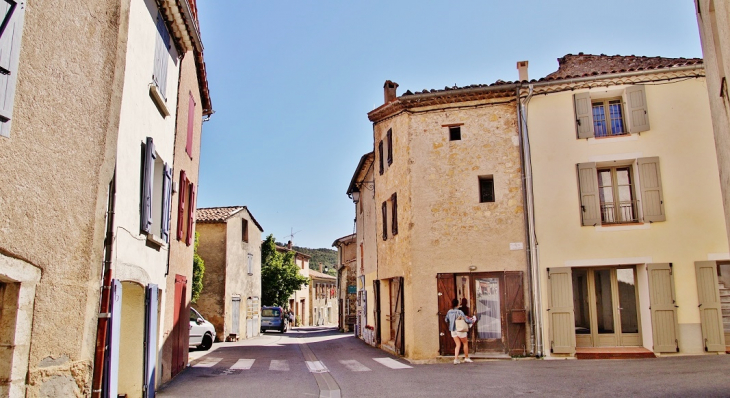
[(292, 82)]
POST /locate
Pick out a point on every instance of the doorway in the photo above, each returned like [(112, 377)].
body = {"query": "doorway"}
[(605, 303)]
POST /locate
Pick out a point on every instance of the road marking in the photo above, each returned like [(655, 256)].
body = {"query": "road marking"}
[(354, 365), (316, 367), (243, 364), (279, 364), (392, 363), (207, 362)]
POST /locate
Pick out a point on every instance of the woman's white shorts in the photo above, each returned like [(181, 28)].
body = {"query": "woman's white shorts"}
[(458, 334)]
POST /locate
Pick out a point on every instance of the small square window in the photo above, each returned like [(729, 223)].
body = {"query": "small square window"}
[(486, 189), (455, 133)]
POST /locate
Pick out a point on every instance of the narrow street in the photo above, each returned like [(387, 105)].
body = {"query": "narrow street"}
[(320, 362)]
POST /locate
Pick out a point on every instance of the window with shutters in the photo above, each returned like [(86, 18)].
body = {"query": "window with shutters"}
[(162, 54), (156, 193), (623, 192), (389, 140), (611, 113), (11, 29), (244, 230), (185, 209), (250, 263)]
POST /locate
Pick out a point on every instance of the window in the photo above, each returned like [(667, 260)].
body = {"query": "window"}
[(623, 112), (455, 133), (384, 209), (191, 124), (380, 157), (156, 192), (394, 214), (609, 194), (250, 264), (244, 230), (10, 35), (486, 189), (185, 209), (390, 146)]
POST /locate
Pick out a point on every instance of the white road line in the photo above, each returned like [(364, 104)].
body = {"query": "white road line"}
[(279, 364), (392, 363), (316, 367), (354, 365), (242, 364), (207, 362)]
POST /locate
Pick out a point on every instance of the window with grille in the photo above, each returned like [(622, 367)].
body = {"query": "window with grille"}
[(608, 118), (616, 195)]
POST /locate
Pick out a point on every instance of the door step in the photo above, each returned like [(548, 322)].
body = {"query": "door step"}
[(613, 353)]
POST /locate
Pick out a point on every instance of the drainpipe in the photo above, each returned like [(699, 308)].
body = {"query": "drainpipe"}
[(534, 269), (104, 313)]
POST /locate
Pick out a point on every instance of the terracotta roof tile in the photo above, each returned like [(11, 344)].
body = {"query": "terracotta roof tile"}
[(221, 214), (317, 274), (582, 65)]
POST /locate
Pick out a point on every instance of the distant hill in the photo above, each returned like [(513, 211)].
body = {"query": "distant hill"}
[(327, 257)]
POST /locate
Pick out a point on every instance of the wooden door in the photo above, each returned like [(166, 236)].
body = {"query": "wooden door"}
[(663, 307), (560, 310), (180, 326), (396, 314), (236, 315), (376, 298), (516, 315), (446, 291), (708, 293)]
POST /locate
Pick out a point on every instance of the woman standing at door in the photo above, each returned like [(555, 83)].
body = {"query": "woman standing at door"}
[(459, 337)]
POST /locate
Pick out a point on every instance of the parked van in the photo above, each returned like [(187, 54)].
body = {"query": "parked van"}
[(273, 318)]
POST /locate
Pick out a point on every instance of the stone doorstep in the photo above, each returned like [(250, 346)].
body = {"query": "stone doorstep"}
[(613, 353)]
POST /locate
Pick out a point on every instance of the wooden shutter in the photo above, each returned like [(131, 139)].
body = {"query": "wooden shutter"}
[(12, 29), (376, 312), (561, 312), (637, 118), (590, 205), (380, 157), (394, 214), (384, 209), (583, 115), (446, 290), (147, 184), (180, 325), (708, 293), (166, 198), (150, 363), (181, 199), (191, 216), (663, 307), (191, 123), (652, 200), (390, 146), (162, 46), (514, 294), (111, 359)]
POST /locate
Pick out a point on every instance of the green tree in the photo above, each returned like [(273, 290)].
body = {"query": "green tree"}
[(198, 271), (280, 276)]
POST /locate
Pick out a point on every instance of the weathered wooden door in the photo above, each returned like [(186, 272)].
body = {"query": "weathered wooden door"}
[(663, 307), (150, 357), (446, 291), (708, 293), (396, 314), (180, 326), (516, 316)]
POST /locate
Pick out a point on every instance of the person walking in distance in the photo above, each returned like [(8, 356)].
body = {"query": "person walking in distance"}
[(458, 330)]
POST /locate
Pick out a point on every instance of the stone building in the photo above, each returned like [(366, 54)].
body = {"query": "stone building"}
[(449, 219), (346, 282), (230, 245), (300, 300), (322, 299)]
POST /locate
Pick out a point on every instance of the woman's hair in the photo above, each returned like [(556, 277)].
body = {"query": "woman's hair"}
[(463, 302), (455, 302)]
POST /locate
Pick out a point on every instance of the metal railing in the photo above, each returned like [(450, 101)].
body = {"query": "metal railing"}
[(619, 213)]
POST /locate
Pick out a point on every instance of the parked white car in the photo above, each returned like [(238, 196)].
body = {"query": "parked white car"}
[(202, 332)]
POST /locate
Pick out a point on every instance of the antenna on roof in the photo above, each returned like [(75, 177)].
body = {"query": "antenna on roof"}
[(291, 235)]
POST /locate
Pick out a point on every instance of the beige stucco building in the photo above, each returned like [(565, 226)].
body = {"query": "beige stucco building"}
[(449, 220), (230, 245), (628, 213), (346, 282), (300, 301), (323, 309)]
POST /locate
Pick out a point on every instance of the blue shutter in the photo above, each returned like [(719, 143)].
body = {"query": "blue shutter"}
[(147, 181), (12, 29), (111, 370), (162, 46), (150, 363), (166, 197)]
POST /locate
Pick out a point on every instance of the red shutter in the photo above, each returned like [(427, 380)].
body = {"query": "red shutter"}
[(183, 183), (191, 215), (191, 119)]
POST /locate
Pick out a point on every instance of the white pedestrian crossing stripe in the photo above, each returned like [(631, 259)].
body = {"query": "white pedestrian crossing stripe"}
[(392, 363), (354, 365), (279, 364), (243, 364), (316, 367), (207, 362)]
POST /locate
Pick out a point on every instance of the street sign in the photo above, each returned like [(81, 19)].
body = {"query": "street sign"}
[(351, 289)]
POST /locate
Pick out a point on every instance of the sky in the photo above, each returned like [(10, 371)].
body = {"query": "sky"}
[(291, 83)]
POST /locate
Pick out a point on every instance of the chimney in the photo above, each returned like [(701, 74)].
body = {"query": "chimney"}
[(389, 91), (321, 267), (522, 67), (288, 245)]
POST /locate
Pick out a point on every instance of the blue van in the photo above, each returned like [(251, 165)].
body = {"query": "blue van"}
[(273, 318)]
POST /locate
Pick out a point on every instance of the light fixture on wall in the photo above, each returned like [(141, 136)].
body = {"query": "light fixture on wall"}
[(472, 268)]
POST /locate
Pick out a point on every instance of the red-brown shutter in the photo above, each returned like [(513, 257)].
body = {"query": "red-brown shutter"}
[(191, 120), (183, 183), (191, 216)]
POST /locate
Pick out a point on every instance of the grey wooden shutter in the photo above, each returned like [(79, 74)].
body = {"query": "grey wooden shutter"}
[(637, 118), (560, 311), (590, 204), (652, 200), (111, 370), (708, 294), (583, 115), (150, 362), (147, 181), (166, 198), (162, 45), (9, 58), (663, 307)]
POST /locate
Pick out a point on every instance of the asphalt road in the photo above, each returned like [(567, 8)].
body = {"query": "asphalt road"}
[(320, 362)]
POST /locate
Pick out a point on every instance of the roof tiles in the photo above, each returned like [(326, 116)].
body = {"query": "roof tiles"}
[(584, 65)]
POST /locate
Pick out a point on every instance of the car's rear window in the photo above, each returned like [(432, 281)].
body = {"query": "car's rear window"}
[(270, 312)]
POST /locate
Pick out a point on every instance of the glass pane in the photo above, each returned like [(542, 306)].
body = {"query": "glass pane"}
[(617, 119), (462, 292), (604, 302), (622, 176), (599, 120), (627, 300), (580, 302), (488, 309)]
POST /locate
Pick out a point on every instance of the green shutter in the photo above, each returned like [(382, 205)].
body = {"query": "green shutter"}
[(583, 115), (560, 311), (637, 118), (652, 200), (590, 205), (663, 307), (708, 293)]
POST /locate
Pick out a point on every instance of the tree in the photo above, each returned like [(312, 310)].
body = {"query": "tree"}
[(198, 271), (280, 276)]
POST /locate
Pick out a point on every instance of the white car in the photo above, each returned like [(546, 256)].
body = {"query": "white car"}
[(202, 332)]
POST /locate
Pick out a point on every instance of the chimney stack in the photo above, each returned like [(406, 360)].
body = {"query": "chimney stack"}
[(522, 67), (288, 245), (389, 90), (321, 267)]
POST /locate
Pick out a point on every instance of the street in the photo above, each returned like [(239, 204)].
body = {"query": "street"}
[(320, 362)]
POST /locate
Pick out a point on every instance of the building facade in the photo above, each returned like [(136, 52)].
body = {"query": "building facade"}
[(230, 245), (346, 282), (300, 301), (323, 299)]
